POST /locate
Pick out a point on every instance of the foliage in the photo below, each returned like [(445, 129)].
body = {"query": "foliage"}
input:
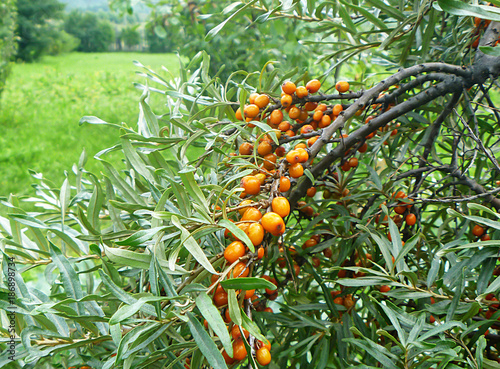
[(95, 34), (387, 258), (7, 39), (99, 84), (40, 30), (131, 36)]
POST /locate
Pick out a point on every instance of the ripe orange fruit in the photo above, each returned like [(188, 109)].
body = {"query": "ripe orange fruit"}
[(338, 300), (313, 85), (234, 251), (256, 233), (310, 106), (325, 121), (228, 359), (220, 298), (337, 108), (246, 148), (243, 203), (385, 288), (411, 219), (264, 148), (349, 301), (276, 117), (300, 145), (261, 177), (312, 140), (284, 184), (485, 237), (260, 252), (296, 170), (400, 209), (268, 310), (239, 350), (288, 87), (311, 191), (263, 356), (318, 114), (273, 223), (303, 154), (353, 162), (363, 148), (252, 97), (251, 214), (240, 270), (477, 231), (262, 100), (251, 184), (280, 151), (292, 156), (249, 294), (270, 161), (266, 344), (236, 333), (309, 243), (290, 133), (399, 195), (346, 166), (281, 206), (286, 100), (284, 126), (251, 111), (301, 92), (238, 114), (306, 129), (342, 86), (294, 112)]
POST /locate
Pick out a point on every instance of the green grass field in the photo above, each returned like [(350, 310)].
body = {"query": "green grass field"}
[(44, 101)]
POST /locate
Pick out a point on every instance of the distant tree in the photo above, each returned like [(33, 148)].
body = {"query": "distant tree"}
[(38, 29), (95, 34), (7, 39), (131, 36)]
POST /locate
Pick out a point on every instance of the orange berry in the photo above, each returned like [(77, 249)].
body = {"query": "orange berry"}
[(251, 111), (280, 151), (485, 237), (260, 252), (363, 148), (311, 191), (477, 231), (238, 114), (349, 302), (264, 148), (293, 156), (276, 117), (342, 86), (240, 270), (310, 106), (294, 112), (400, 209), (346, 166), (316, 262), (239, 350), (385, 288), (325, 121), (270, 161), (301, 92), (399, 195), (290, 133), (312, 140), (236, 333), (338, 300), (256, 233), (246, 148), (313, 85), (309, 243), (432, 319), (296, 170), (318, 114), (353, 162), (244, 202), (263, 356), (268, 310), (284, 126), (303, 154), (286, 100), (249, 294), (251, 214), (273, 223), (306, 129), (261, 101), (228, 359), (300, 145), (220, 298), (288, 87), (281, 206), (411, 219), (234, 251), (284, 184), (337, 108), (251, 184), (252, 97), (261, 177)]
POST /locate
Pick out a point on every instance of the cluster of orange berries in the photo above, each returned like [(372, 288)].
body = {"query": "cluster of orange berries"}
[(480, 232), (80, 367)]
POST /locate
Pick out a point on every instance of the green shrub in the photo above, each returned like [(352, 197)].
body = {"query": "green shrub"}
[(7, 38), (95, 34)]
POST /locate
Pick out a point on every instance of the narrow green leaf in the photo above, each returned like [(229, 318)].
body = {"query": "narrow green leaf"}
[(466, 9), (214, 319), (251, 327), (214, 31), (205, 343), (387, 9), (247, 283), (234, 309), (237, 232)]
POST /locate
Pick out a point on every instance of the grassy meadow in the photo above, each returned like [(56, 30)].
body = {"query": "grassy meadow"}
[(44, 101)]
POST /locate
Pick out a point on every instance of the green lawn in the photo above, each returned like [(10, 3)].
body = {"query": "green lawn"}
[(44, 101)]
